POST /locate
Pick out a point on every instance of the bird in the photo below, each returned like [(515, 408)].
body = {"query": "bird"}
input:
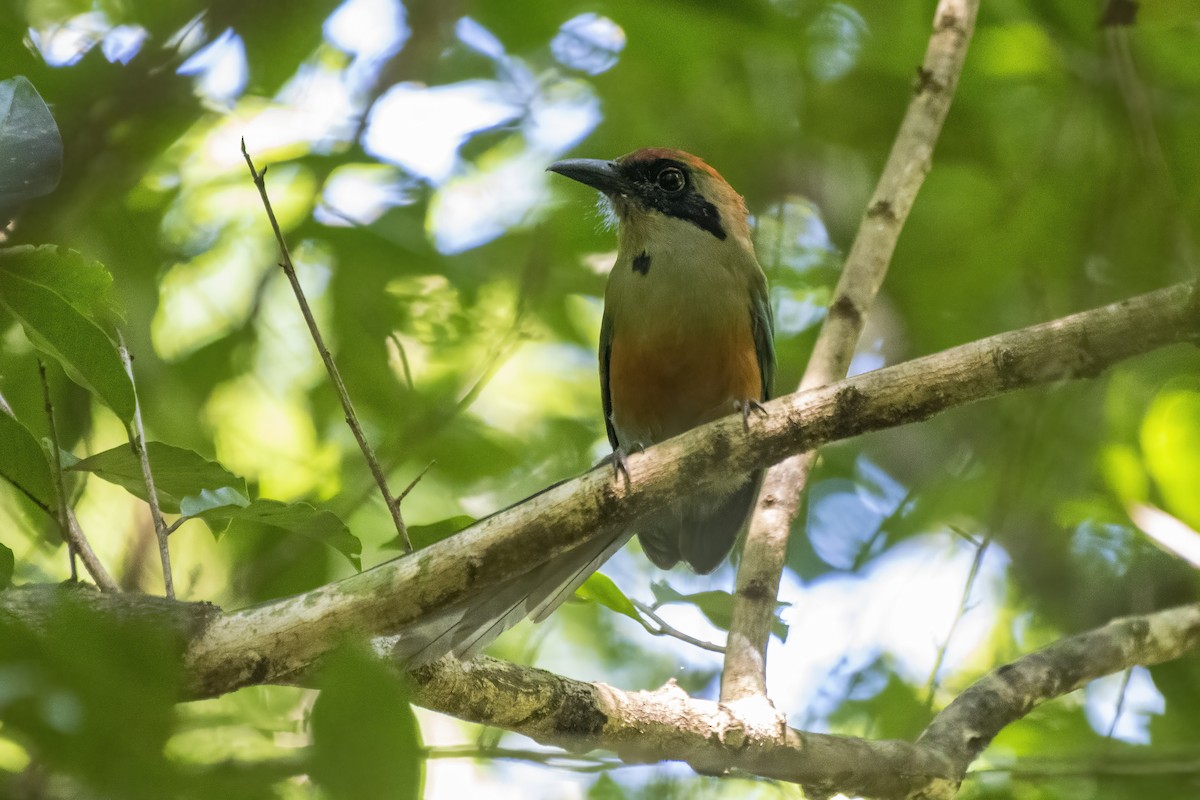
[(686, 337)]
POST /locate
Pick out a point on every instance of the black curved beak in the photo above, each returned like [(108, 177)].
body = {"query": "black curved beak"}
[(601, 175)]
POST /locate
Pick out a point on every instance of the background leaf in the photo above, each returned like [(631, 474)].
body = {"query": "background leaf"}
[(30, 145)]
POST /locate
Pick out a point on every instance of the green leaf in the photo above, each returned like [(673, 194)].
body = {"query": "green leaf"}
[(716, 605), (60, 703), (87, 285), (31, 151), (212, 499), (59, 330), (599, 588), (23, 462), (425, 535), (298, 518), (179, 475), (7, 563), (366, 741)]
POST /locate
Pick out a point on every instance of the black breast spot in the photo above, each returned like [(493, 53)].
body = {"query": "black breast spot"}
[(641, 263)]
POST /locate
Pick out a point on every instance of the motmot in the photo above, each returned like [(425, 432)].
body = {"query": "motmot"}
[(686, 338), (687, 333)]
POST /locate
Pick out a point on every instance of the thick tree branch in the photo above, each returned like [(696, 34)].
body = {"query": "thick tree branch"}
[(669, 725), (275, 640), (765, 551)]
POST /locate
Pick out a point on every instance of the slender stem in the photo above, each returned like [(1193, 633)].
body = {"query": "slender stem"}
[(661, 627), (138, 441), (77, 543), (1112, 728), (963, 605), (413, 483), (765, 551), (335, 377)]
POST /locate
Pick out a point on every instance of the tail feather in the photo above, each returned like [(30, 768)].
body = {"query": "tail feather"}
[(466, 629), (698, 532)]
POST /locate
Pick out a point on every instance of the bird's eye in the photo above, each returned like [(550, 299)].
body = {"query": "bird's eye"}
[(671, 179)]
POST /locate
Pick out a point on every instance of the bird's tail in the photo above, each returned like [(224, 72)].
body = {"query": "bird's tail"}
[(465, 629), (700, 531)]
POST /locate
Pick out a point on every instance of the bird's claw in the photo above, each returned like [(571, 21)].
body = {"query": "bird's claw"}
[(620, 461), (746, 406)]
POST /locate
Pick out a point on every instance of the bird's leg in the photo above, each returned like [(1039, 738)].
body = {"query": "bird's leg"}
[(620, 459), (748, 405)]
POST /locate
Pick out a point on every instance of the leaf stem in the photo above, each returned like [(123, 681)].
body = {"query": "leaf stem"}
[(77, 543), (137, 438)]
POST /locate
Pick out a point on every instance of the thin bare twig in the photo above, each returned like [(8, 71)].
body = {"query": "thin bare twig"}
[(765, 551), (963, 605), (77, 543), (138, 442), (1112, 728), (661, 627), (60, 487), (335, 377), (413, 483)]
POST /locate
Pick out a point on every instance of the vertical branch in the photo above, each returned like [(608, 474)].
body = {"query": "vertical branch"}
[(744, 676), (77, 543), (137, 438), (335, 377)]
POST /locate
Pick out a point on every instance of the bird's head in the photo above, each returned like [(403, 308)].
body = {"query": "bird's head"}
[(661, 181)]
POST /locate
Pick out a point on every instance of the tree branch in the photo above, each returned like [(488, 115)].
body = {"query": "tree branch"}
[(275, 640), (765, 550), (1006, 694), (669, 725)]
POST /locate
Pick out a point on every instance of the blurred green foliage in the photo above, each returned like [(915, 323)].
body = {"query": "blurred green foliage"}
[(460, 289)]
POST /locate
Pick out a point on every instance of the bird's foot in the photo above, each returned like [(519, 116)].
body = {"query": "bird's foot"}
[(620, 460), (746, 406)]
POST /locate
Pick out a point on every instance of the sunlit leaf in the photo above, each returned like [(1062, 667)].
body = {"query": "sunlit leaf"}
[(7, 563), (179, 474), (599, 588), (1170, 439)]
